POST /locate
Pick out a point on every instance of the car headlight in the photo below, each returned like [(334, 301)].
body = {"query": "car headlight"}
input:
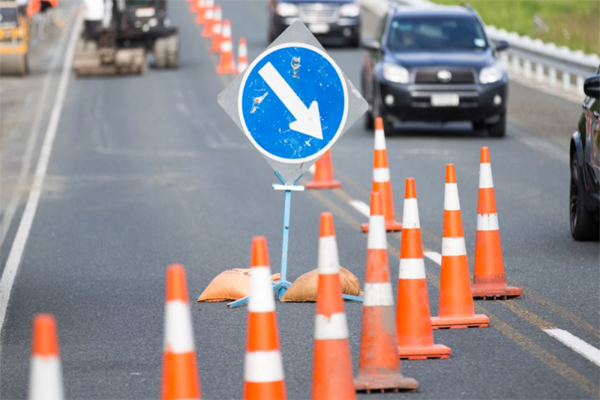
[(395, 73), (286, 10), (350, 10), (491, 74)]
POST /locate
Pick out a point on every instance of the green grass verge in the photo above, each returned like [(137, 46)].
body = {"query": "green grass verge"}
[(571, 23)]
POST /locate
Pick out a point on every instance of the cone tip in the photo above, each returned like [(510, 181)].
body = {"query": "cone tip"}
[(485, 155), (376, 203), (327, 227), (176, 283), (450, 173), (259, 253), (410, 191), (242, 40), (45, 340), (379, 123)]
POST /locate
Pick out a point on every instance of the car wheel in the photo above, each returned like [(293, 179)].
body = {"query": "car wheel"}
[(583, 223), (368, 121), (499, 128), (388, 127)]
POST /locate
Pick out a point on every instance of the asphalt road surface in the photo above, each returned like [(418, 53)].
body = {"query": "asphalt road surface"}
[(148, 171)]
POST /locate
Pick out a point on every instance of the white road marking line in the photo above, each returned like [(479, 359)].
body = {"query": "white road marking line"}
[(362, 207), (434, 256), (576, 344), (16, 252), (15, 198)]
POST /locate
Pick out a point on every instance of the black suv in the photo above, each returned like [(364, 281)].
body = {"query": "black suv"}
[(329, 20), (435, 64), (585, 166)]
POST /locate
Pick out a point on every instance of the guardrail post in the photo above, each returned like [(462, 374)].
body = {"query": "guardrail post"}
[(515, 63), (552, 76), (580, 80), (539, 71), (527, 68), (566, 80), (504, 59)]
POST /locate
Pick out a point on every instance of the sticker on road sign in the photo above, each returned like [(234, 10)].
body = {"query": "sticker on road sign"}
[(293, 102)]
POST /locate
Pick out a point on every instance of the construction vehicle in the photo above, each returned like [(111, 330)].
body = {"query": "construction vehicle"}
[(14, 33), (119, 42)]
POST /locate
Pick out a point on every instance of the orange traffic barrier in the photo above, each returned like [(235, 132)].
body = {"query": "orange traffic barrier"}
[(217, 29), (45, 381), (208, 18), (381, 180), (242, 56), (323, 176), (201, 6), (413, 319), (180, 372), (456, 308), (488, 276), (379, 366), (332, 362), (263, 368), (227, 63)]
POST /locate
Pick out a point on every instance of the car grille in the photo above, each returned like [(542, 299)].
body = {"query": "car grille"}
[(458, 76), (319, 12)]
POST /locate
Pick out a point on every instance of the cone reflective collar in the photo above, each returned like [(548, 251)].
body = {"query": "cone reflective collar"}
[(227, 63), (381, 180), (45, 379), (488, 277), (263, 368), (242, 55), (456, 308), (332, 368), (379, 366), (180, 370), (413, 319), (217, 29)]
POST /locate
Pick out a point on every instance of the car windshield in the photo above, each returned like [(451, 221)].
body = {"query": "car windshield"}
[(436, 34), (8, 17)]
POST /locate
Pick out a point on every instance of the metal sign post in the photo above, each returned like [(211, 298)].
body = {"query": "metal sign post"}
[(293, 103)]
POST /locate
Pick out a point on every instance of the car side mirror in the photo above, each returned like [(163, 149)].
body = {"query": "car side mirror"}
[(591, 86), (501, 45), (371, 44)]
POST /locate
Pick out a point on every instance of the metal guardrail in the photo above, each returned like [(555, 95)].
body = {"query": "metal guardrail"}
[(534, 59)]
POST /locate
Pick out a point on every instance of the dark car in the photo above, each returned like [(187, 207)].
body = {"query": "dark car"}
[(585, 166), (329, 20), (435, 65)]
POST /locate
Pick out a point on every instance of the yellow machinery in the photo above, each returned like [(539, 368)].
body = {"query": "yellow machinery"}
[(14, 39)]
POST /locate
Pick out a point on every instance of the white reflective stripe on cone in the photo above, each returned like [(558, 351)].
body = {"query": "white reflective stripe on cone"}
[(454, 246), (487, 222), (179, 336), (263, 366), (208, 14), (243, 51), (410, 215), (377, 239), (412, 268), (451, 202), (381, 175), (485, 176), (262, 297), (226, 47), (329, 262), (331, 328), (45, 378), (378, 294), (379, 140), (217, 29), (227, 31)]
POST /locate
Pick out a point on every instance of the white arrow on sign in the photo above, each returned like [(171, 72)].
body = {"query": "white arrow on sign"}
[(308, 120)]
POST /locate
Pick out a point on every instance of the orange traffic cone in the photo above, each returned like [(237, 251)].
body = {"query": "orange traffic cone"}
[(216, 33), (381, 180), (332, 362), (413, 320), (242, 55), (488, 275), (379, 366), (180, 371), (201, 5), (193, 7), (263, 368), (45, 379), (456, 301), (323, 176), (227, 64), (208, 18)]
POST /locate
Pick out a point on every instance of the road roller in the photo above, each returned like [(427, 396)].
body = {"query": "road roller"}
[(14, 39), (118, 34)]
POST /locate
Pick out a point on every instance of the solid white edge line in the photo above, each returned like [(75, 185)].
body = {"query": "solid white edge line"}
[(576, 344), (361, 207), (18, 246), (434, 256)]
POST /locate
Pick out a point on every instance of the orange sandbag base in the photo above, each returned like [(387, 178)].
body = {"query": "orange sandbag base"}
[(305, 287), (229, 285)]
